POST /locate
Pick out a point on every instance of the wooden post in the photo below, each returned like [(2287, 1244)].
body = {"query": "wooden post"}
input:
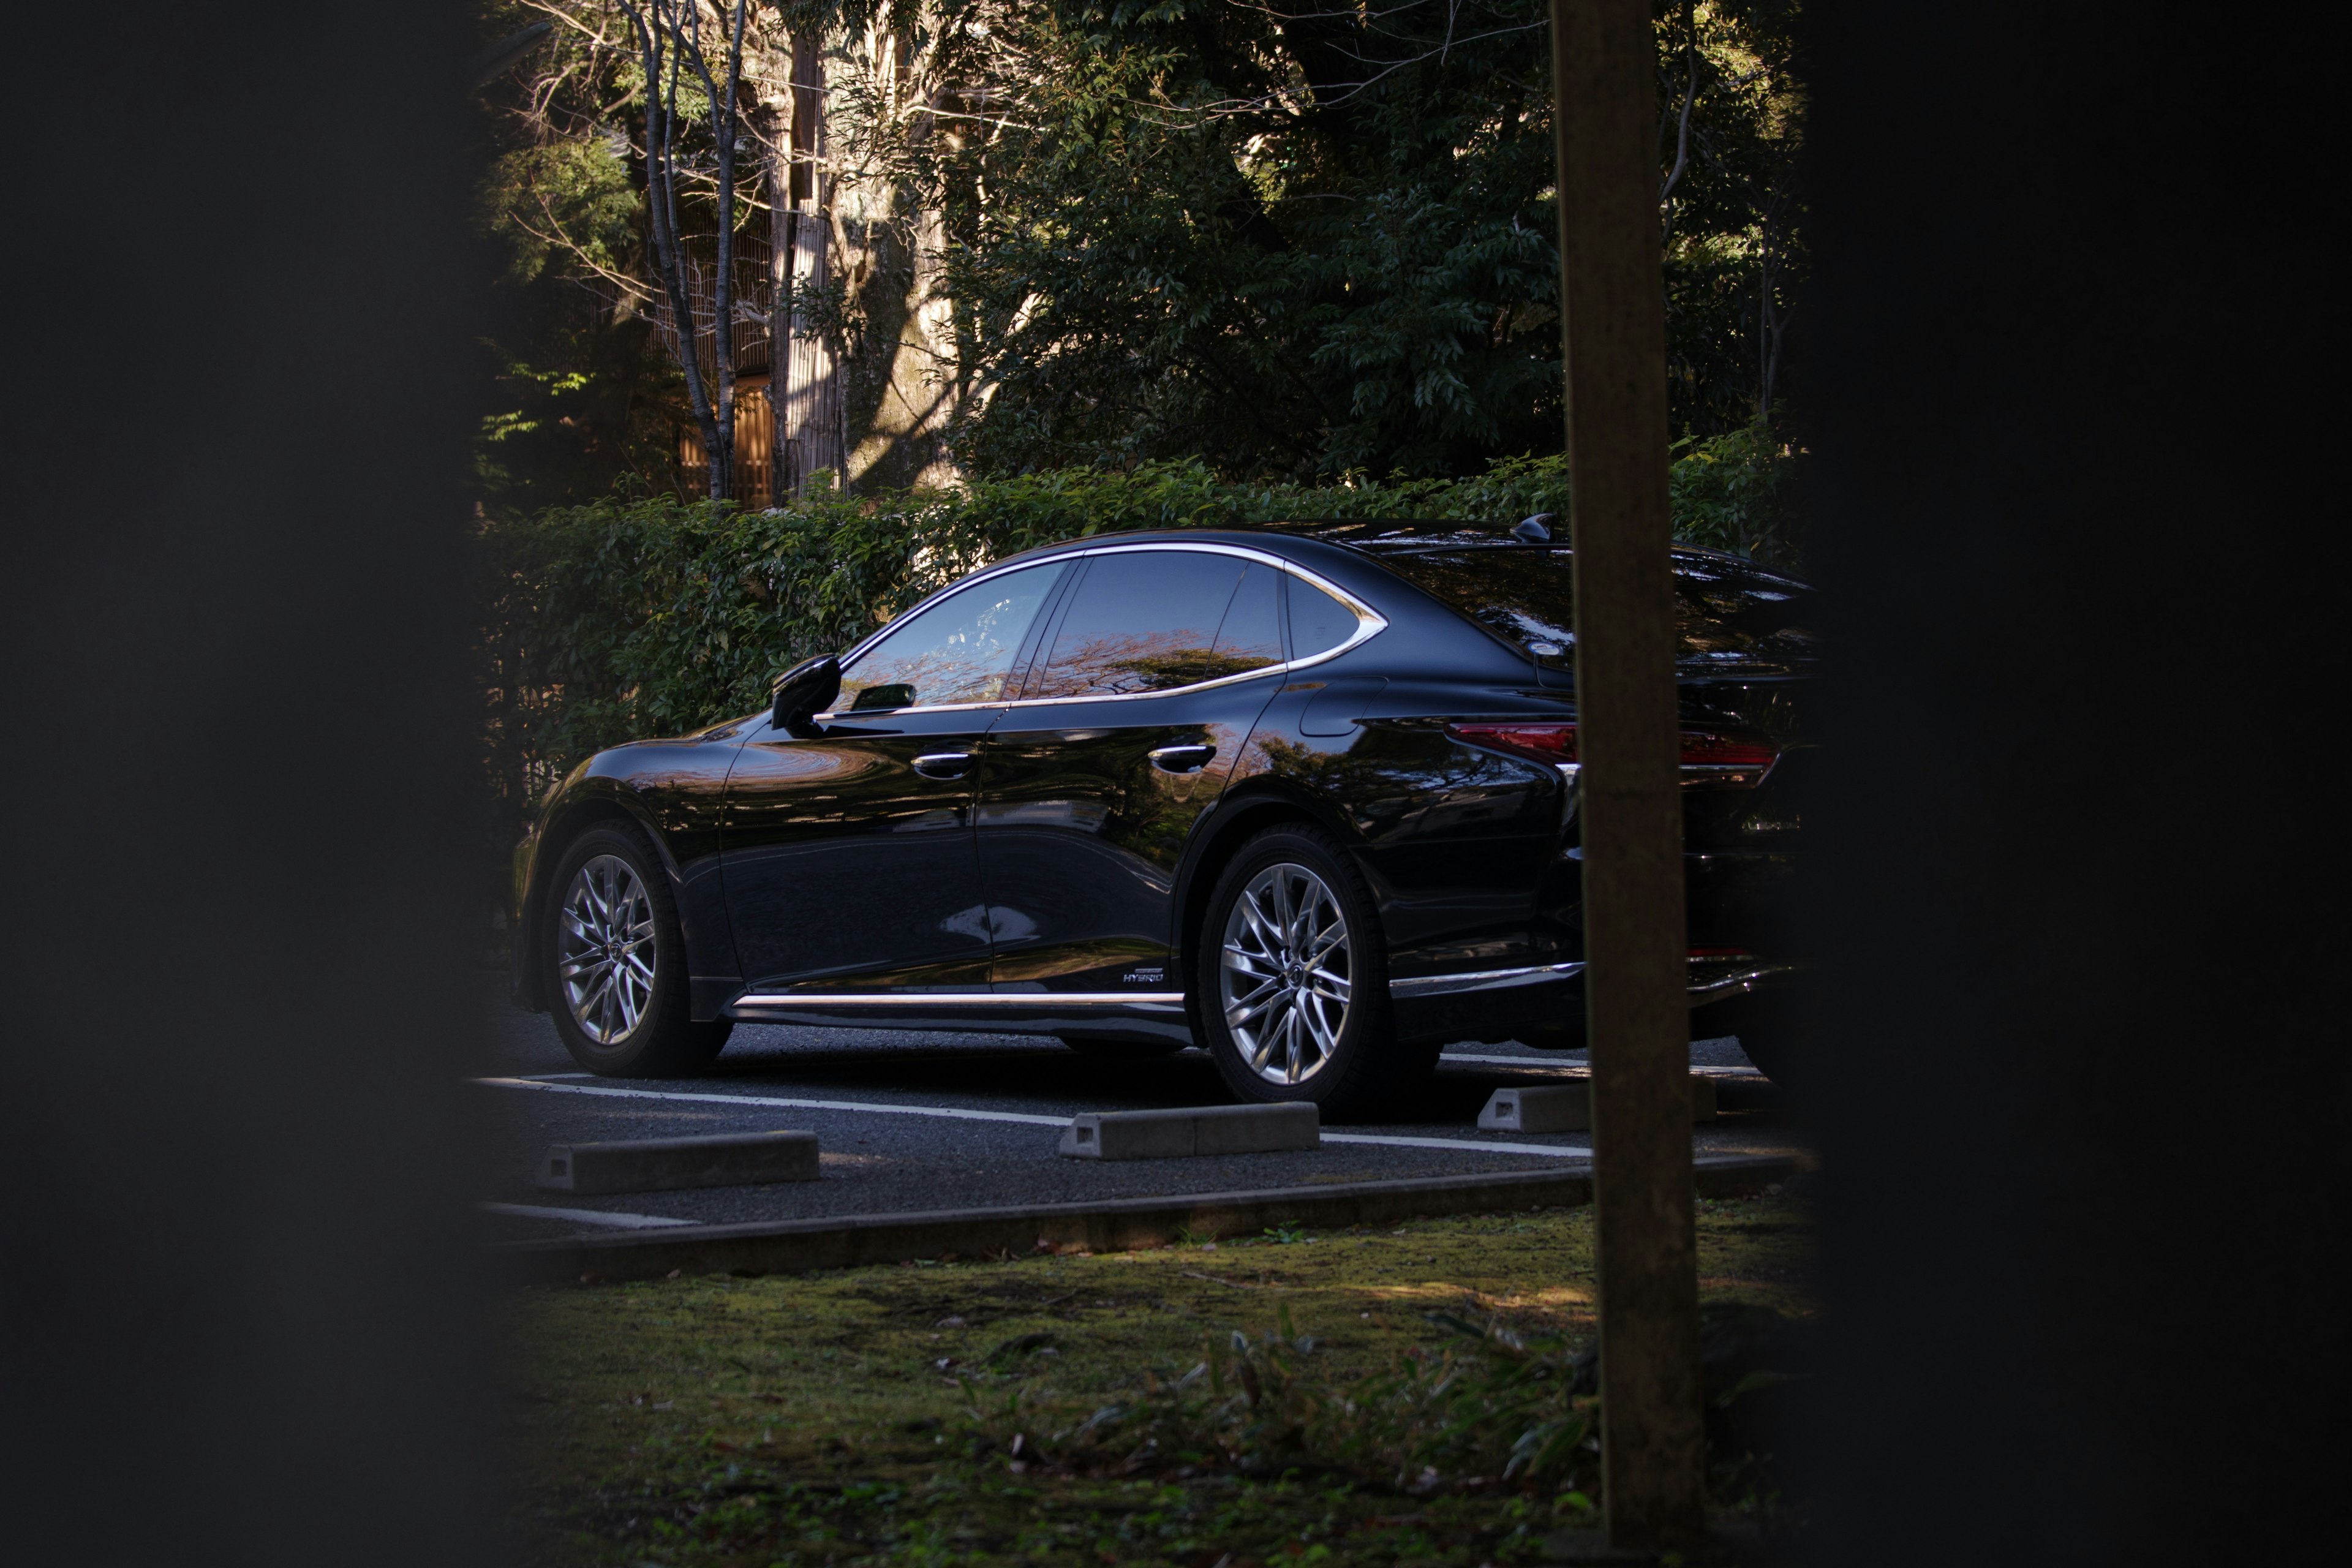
[(1637, 1017)]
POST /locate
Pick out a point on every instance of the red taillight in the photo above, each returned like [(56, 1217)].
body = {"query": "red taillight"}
[(1553, 743), (1736, 753), (1709, 756)]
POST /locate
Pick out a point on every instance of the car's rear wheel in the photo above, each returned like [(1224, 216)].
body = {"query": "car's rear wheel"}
[(1292, 980), (1771, 1028), (615, 959)]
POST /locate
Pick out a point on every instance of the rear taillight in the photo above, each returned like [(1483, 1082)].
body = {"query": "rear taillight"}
[(1727, 757), (1552, 743), (1709, 756)]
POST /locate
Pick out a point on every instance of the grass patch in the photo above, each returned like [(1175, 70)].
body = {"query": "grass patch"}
[(1299, 1396)]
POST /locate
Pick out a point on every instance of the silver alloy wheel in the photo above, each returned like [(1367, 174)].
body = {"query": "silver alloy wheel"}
[(1285, 975), (604, 956)]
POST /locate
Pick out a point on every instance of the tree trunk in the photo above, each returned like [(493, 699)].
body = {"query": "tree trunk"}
[(776, 131), (725, 134), (662, 52), (808, 411)]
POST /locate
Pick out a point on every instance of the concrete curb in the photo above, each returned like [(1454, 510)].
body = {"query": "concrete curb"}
[(668, 1164), (1115, 1225)]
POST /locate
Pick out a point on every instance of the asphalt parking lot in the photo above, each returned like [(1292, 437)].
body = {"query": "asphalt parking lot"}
[(914, 1121)]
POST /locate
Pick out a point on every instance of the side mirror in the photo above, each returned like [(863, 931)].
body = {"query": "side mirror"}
[(809, 687)]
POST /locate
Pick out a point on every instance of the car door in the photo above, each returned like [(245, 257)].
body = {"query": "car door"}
[(1138, 700), (848, 855)]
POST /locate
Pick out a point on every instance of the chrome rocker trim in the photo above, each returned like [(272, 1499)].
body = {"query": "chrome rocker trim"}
[(1156, 1001), (1738, 984), (1714, 990), (1484, 980), (1413, 988)]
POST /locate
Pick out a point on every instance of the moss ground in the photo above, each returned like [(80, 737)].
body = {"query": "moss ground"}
[(867, 1416)]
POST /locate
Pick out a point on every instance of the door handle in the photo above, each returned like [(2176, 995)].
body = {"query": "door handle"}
[(1182, 759), (944, 764)]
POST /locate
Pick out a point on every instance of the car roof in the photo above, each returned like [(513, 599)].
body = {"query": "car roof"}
[(1379, 537)]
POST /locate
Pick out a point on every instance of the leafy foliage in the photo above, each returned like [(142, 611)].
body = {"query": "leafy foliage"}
[(1325, 241), (1733, 492), (1295, 243)]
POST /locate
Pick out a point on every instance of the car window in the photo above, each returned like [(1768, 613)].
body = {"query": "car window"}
[(1146, 620), (1250, 636), (1318, 623), (959, 650)]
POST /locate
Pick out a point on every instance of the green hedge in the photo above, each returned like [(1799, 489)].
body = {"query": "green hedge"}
[(628, 618)]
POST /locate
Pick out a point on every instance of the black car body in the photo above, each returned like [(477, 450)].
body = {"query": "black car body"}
[(1016, 812)]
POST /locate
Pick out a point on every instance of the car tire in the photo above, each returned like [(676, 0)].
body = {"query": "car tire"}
[(1290, 1007), (613, 958), (1769, 1027), (1774, 1055)]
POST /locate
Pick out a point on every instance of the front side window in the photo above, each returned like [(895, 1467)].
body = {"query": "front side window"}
[(1151, 620), (959, 650)]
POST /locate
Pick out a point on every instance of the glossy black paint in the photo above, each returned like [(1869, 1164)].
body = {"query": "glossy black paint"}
[(846, 811), (1082, 833), (1056, 876)]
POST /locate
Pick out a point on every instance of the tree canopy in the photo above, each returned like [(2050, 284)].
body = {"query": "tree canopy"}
[(1292, 240)]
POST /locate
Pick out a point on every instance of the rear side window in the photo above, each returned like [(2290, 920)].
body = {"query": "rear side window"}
[(959, 650), (1250, 636), (1149, 620), (1318, 623)]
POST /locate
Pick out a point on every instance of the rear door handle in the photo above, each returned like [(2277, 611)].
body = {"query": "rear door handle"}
[(1182, 759), (944, 764)]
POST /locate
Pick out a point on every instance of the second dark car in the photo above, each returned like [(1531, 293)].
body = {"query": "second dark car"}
[(1305, 798)]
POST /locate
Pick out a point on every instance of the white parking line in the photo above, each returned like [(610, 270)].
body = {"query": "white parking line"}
[(583, 1216), (950, 1111), (1558, 1150), (1565, 1151)]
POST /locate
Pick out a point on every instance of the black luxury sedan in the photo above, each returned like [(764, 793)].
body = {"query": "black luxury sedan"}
[(1304, 796)]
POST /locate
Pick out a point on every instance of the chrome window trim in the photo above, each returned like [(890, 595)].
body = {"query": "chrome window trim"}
[(1369, 624)]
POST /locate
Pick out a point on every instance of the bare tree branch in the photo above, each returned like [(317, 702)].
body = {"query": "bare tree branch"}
[(1682, 133)]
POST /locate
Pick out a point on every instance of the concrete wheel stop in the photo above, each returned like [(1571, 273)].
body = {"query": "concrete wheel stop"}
[(1568, 1108), (666, 1164), (1193, 1130)]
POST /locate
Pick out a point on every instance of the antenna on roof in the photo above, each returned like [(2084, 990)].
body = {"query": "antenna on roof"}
[(1536, 529)]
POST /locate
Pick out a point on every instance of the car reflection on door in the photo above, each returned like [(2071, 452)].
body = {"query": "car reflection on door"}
[(1089, 789)]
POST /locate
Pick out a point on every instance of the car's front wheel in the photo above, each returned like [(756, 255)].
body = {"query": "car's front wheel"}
[(616, 963), (1292, 980)]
